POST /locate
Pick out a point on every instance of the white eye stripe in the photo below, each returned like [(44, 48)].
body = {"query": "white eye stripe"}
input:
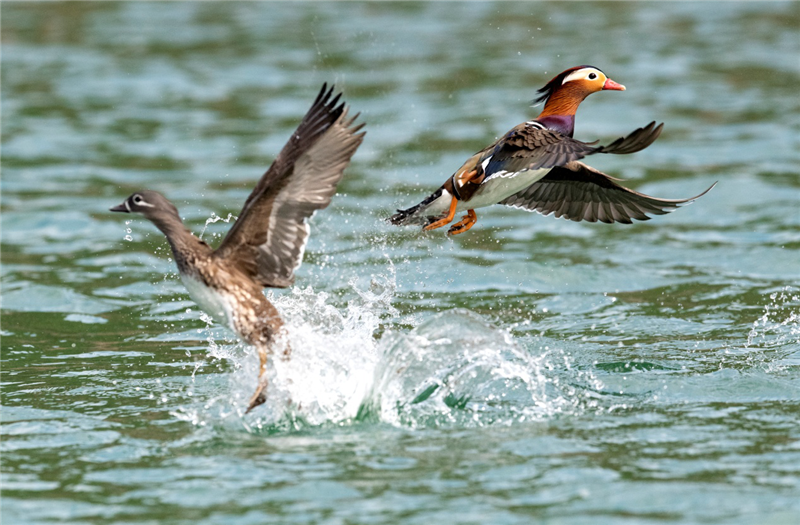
[(581, 73), (139, 201)]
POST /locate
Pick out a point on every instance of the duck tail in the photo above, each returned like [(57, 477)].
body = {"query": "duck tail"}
[(415, 215)]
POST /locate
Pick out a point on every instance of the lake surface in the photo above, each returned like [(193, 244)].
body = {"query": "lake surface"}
[(530, 370)]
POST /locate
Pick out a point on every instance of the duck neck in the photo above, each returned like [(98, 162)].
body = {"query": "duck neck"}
[(559, 111), (183, 242), (564, 124)]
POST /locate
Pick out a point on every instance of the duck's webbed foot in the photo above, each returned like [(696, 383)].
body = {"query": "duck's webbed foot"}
[(464, 224), (259, 397), (446, 219)]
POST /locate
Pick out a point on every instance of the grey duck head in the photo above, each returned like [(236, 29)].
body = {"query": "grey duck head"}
[(151, 204)]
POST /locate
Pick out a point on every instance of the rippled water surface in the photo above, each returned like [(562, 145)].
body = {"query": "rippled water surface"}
[(530, 370)]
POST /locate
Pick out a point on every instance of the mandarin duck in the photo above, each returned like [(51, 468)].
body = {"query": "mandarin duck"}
[(535, 167), (265, 245)]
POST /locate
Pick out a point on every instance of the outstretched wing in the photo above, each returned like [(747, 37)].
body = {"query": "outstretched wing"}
[(268, 240), (531, 146), (581, 193), (637, 140)]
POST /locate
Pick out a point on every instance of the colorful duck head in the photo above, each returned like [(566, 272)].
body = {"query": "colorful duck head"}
[(564, 93)]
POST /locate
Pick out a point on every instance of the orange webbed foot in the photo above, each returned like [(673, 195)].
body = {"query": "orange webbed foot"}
[(466, 222), (441, 222)]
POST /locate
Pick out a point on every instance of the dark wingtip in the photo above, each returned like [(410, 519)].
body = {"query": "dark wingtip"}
[(635, 141), (679, 203), (709, 189), (335, 100), (321, 94), (692, 199)]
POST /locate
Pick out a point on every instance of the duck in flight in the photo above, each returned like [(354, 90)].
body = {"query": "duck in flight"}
[(266, 243), (536, 167)]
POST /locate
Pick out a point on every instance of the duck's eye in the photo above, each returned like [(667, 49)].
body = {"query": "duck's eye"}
[(137, 199), (592, 76)]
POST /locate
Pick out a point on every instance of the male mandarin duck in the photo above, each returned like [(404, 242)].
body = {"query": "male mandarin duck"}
[(535, 167)]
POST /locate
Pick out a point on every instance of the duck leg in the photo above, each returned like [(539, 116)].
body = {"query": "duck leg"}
[(259, 397), (466, 222), (441, 222)]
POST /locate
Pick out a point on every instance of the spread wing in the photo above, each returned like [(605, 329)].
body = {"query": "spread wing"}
[(268, 240), (581, 193), (530, 146)]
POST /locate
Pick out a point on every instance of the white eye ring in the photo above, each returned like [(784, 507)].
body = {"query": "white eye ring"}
[(139, 201)]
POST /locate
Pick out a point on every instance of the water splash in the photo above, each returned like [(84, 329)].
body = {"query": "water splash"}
[(216, 218), (456, 369), (773, 342), (128, 231), (780, 322), (354, 363), (333, 357)]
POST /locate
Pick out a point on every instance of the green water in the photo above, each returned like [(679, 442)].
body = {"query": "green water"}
[(531, 370)]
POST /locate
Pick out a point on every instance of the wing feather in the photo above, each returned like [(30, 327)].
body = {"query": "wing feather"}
[(268, 240), (578, 192), (529, 147)]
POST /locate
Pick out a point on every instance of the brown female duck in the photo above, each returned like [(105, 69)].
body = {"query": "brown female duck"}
[(265, 245)]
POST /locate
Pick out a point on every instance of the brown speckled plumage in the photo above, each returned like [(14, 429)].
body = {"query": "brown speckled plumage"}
[(266, 243)]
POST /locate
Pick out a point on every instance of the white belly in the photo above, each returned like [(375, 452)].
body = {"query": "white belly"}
[(440, 206), (499, 187), (491, 192), (210, 301)]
